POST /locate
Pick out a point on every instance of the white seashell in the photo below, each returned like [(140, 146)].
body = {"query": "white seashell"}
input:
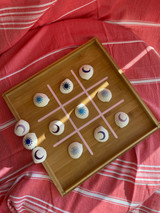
[(86, 72), (66, 86), (56, 127), (39, 154), (104, 95), (21, 128), (75, 150), (40, 99), (121, 119), (81, 111), (101, 134), (30, 141)]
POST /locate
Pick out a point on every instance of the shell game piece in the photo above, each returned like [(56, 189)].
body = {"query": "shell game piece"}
[(81, 111), (75, 150), (30, 141), (104, 95), (121, 119), (101, 134), (40, 99), (39, 154), (21, 128), (66, 86), (56, 127), (86, 72)]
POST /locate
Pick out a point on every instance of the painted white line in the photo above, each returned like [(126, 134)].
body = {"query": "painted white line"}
[(74, 126), (20, 18), (16, 23), (77, 96), (42, 201), (86, 124), (73, 10), (137, 23), (123, 42), (21, 13), (39, 59), (139, 165), (7, 125), (30, 6), (101, 115), (149, 81)]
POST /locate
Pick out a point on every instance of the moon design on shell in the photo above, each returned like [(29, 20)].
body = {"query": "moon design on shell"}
[(121, 119), (85, 70), (101, 134), (56, 127), (21, 126), (37, 156)]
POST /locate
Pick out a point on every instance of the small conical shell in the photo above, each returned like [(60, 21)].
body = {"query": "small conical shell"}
[(56, 127), (121, 119), (39, 154), (66, 86), (86, 72), (81, 111), (30, 141), (21, 128), (75, 150), (40, 99), (101, 134), (104, 95)]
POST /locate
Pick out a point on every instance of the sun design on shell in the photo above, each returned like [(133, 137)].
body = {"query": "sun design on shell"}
[(39, 99), (66, 86), (75, 150), (104, 93), (28, 141), (81, 111)]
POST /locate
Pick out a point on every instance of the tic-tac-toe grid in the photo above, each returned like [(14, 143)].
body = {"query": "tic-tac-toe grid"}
[(66, 172), (100, 114)]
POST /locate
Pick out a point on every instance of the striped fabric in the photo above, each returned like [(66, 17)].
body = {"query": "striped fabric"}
[(36, 33)]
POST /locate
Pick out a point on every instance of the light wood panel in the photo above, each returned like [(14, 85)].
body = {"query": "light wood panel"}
[(65, 172)]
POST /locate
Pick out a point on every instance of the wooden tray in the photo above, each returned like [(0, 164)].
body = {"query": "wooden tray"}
[(65, 172)]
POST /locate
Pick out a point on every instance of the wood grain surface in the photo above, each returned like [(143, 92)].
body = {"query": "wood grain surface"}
[(65, 172)]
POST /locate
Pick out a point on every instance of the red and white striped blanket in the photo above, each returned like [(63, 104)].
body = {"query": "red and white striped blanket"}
[(34, 34)]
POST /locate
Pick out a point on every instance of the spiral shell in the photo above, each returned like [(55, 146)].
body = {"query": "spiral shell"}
[(56, 127), (39, 154), (21, 128), (66, 86), (81, 111), (101, 134), (40, 99), (121, 119), (30, 141), (86, 72), (75, 150), (104, 95)]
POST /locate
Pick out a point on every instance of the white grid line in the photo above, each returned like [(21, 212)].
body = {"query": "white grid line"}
[(96, 107), (74, 126), (82, 93), (86, 124)]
